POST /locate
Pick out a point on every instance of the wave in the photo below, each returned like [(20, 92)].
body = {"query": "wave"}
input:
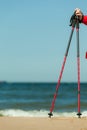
[(35, 113)]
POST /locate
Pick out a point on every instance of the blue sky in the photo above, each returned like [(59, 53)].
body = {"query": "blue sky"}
[(33, 39)]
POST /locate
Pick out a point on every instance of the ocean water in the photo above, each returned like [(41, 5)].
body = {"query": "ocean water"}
[(34, 99)]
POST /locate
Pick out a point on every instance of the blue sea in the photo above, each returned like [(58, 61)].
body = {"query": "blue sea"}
[(34, 99)]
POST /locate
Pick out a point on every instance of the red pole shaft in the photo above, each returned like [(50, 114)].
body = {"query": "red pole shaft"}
[(78, 69), (78, 65), (61, 72), (58, 84)]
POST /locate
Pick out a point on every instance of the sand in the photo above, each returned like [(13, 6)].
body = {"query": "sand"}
[(43, 123)]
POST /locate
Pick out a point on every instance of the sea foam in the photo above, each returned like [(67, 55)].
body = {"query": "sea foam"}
[(35, 113)]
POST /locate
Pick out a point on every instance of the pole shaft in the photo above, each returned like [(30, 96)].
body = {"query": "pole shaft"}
[(61, 72), (58, 84), (78, 67), (70, 38)]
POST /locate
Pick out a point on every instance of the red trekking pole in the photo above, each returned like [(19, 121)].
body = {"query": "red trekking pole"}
[(78, 67), (61, 72)]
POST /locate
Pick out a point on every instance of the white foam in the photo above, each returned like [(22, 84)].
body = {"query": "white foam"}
[(35, 113), (21, 113)]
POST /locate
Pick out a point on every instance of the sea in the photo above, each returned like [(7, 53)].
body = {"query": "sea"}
[(35, 99)]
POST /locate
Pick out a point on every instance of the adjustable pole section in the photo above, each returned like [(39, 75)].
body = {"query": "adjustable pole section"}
[(61, 72)]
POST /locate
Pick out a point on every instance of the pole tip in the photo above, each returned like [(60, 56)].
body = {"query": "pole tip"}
[(50, 114), (79, 115)]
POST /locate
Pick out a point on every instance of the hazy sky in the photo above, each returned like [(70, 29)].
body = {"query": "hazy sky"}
[(33, 39)]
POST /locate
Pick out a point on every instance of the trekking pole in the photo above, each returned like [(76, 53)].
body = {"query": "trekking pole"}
[(61, 72), (78, 66)]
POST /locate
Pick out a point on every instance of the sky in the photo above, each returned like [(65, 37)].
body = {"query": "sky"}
[(33, 38)]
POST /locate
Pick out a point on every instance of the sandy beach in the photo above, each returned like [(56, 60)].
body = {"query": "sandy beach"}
[(43, 123)]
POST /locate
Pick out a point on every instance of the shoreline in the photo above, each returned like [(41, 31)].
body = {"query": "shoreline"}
[(43, 123)]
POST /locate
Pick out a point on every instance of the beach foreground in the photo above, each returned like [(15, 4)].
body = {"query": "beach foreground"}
[(43, 123)]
